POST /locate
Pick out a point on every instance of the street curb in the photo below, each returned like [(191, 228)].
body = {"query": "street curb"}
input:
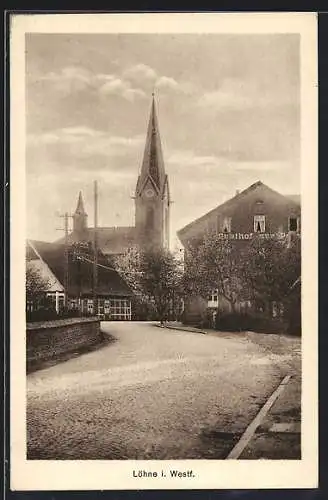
[(250, 430), (181, 329)]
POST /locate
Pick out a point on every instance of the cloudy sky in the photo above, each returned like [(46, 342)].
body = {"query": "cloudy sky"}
[(228, 108)]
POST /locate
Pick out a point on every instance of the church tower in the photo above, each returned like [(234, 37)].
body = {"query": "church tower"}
[(80, 219), (152, 197)]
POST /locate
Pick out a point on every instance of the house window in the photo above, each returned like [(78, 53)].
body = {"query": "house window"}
[(61, 302), (259, 204), (119, 309), (213, 299), (293, 224), (277, 309), (259, 223), (226, 226), (73, 303), (90, 306)]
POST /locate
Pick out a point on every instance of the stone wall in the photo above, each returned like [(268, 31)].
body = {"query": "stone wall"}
[(49, 339)]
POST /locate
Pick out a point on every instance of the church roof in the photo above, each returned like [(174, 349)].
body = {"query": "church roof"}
[(153, 163), (80, 205), (115, 240), (80, 271), (111, 240)]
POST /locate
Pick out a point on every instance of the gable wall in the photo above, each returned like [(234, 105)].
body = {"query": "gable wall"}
[(276, 208)]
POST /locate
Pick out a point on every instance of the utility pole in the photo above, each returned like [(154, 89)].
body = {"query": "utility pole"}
[(95, 250), (65, 216)]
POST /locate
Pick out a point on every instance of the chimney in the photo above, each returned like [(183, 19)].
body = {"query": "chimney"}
[(237, 192)]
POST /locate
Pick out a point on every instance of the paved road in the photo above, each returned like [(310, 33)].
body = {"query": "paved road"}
[(151, 394)]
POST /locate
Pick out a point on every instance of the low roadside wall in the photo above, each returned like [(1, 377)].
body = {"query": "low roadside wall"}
[(48, 339)]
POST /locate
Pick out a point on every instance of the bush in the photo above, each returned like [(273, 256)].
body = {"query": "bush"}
[(50, 314), (41, 314), (232, 322)]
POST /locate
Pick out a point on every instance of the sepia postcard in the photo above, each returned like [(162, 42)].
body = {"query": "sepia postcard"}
[(164, 323)]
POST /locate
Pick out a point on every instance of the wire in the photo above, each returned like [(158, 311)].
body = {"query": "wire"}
[(92, 262)]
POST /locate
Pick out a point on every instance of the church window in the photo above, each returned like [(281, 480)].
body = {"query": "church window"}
[(150, 216), (259, 223), (226, 226)]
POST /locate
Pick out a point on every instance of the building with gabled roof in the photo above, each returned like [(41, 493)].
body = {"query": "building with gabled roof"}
[(151, 231), (257, 210), (112, 292)]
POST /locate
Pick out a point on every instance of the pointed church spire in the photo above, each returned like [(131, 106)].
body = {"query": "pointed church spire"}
[(80, 205), (80, 217), (152, 197), (153, 163)]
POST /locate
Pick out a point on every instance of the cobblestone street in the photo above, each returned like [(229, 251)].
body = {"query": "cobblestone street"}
[(156, 393)]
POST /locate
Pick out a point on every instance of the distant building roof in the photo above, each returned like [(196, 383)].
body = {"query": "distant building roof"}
[(235, 200), (111, 240), (35, 263), (80, 270)]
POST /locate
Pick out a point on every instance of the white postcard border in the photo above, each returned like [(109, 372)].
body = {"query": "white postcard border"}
[(209, 474)]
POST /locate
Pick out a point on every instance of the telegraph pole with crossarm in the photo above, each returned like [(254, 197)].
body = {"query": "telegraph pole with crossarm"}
[(65, 216)]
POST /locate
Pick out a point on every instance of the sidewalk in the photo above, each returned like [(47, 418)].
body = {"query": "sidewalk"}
[(279, 434)]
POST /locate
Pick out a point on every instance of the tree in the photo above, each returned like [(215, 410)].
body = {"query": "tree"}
[(272, 267), (256, 269), (128, 266), (154, 276), (216, 264), (160, 279)]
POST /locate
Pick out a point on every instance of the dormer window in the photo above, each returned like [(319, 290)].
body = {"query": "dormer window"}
[(259, 223), (226, 226)]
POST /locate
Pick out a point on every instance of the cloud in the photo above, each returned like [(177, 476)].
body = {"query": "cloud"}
[(76, 79), (80, 132), (187, 158), (133, 84), (121, 88), (146, 77), (82, 148), (260, 166), (168, 83), (140, 73), (69, 79), (212, 164), (227, 98), (237, 94)]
